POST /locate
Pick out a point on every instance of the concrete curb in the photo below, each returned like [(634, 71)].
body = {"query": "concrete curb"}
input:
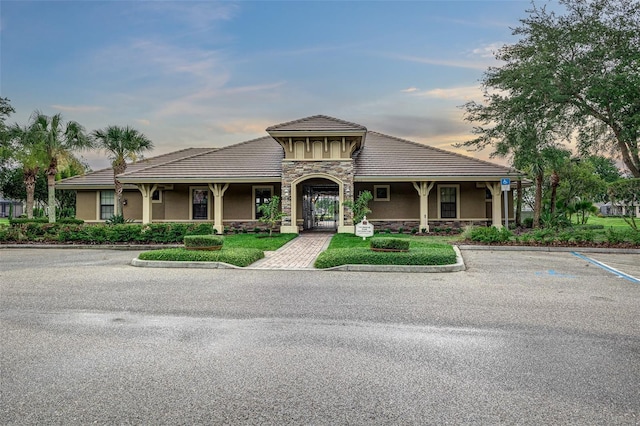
[(457, 267), (173, 264), (551, 249), (92, 246)]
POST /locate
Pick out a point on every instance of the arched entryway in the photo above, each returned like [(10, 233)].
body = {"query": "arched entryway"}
[(317, 196), (320, 206)]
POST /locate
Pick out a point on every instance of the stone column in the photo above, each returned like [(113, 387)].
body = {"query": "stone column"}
[(288, 192)]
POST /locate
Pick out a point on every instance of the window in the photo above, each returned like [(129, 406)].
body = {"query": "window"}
[(107, 204), (381, 193), (448, 202), (156, 197), (261, 195), (200, 204)]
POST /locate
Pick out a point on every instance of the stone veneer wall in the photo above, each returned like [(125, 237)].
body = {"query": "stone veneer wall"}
[(292, 170), (408, 225)]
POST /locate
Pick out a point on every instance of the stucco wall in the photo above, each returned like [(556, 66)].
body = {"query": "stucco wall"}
[(86, 204), (176, 203), (403, 203)]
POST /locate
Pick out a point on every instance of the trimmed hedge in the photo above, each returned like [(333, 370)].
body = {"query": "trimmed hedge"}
[(490, 235), (21, 220), (155, 233), (203, 240), (390, 243), (434, 255), (233, 256)]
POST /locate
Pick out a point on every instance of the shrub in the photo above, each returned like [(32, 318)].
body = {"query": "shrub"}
[(589, 226), (615, 237), (117, 219), (199, 229), (21, 220), (584, 236), (436, 255), (527, 222), (543, 235), (233, 256), (70, 220), (390, 243), (490, 235), (201, 241)]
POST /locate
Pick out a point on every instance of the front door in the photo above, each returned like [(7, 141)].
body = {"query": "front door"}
[(320, 207)]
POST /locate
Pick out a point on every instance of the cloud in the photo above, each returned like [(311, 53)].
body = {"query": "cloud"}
[(464, 93), (194, 15), (410, 90), (78, 108), (454, 63), (488, 50), (245, 126), (143, 121)]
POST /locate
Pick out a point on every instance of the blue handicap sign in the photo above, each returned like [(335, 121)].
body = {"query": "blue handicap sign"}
[(505, 181)]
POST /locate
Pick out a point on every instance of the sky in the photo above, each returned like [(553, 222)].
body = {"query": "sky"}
[(211, 74)]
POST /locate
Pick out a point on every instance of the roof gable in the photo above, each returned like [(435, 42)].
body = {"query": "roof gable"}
[(320, 123)]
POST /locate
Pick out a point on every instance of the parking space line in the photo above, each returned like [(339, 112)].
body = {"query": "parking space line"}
[(607, 268)]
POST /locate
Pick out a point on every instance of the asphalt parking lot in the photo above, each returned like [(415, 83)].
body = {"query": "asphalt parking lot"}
[(518, 338)]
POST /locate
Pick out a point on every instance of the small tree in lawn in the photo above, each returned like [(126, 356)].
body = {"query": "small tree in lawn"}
[(360, 207), (626, 192), (271, 213)]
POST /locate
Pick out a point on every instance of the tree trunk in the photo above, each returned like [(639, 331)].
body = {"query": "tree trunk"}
[(30, 185), (555, 181), (51, 188), (519, 203), (537, 208), (119, 167)]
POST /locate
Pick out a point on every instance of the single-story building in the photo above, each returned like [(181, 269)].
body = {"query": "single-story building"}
[(314, 165), (10, 208)]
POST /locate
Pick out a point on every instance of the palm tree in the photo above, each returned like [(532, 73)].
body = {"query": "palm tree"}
[(58, 143), (29, 155), (121, 144)]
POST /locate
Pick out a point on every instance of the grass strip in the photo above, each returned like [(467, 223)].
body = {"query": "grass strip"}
[(262, 241)]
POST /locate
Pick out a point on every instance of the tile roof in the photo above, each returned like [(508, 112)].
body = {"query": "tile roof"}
[(317, 123), (255, 159), (388, 156), (104, 177), (383, 157)]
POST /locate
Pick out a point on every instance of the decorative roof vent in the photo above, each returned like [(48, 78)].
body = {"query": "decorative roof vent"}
[(319, 137)]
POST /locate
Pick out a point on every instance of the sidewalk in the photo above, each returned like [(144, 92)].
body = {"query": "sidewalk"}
[(299, 253)]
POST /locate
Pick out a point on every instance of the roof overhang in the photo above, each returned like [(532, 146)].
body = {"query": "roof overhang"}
[(316, 133), (201, 179), (458, 178)]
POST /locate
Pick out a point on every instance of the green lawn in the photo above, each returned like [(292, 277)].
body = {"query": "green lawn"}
[(609, 222), (260, 241), (346, 249)]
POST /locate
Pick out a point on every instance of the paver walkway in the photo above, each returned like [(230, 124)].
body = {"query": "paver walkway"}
[(299, 253)]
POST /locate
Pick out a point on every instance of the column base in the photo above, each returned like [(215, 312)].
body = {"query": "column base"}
[(288, 229), (347, 229)]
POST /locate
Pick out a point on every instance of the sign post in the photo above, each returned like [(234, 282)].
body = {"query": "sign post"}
[(364, 229), (505, 184)]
